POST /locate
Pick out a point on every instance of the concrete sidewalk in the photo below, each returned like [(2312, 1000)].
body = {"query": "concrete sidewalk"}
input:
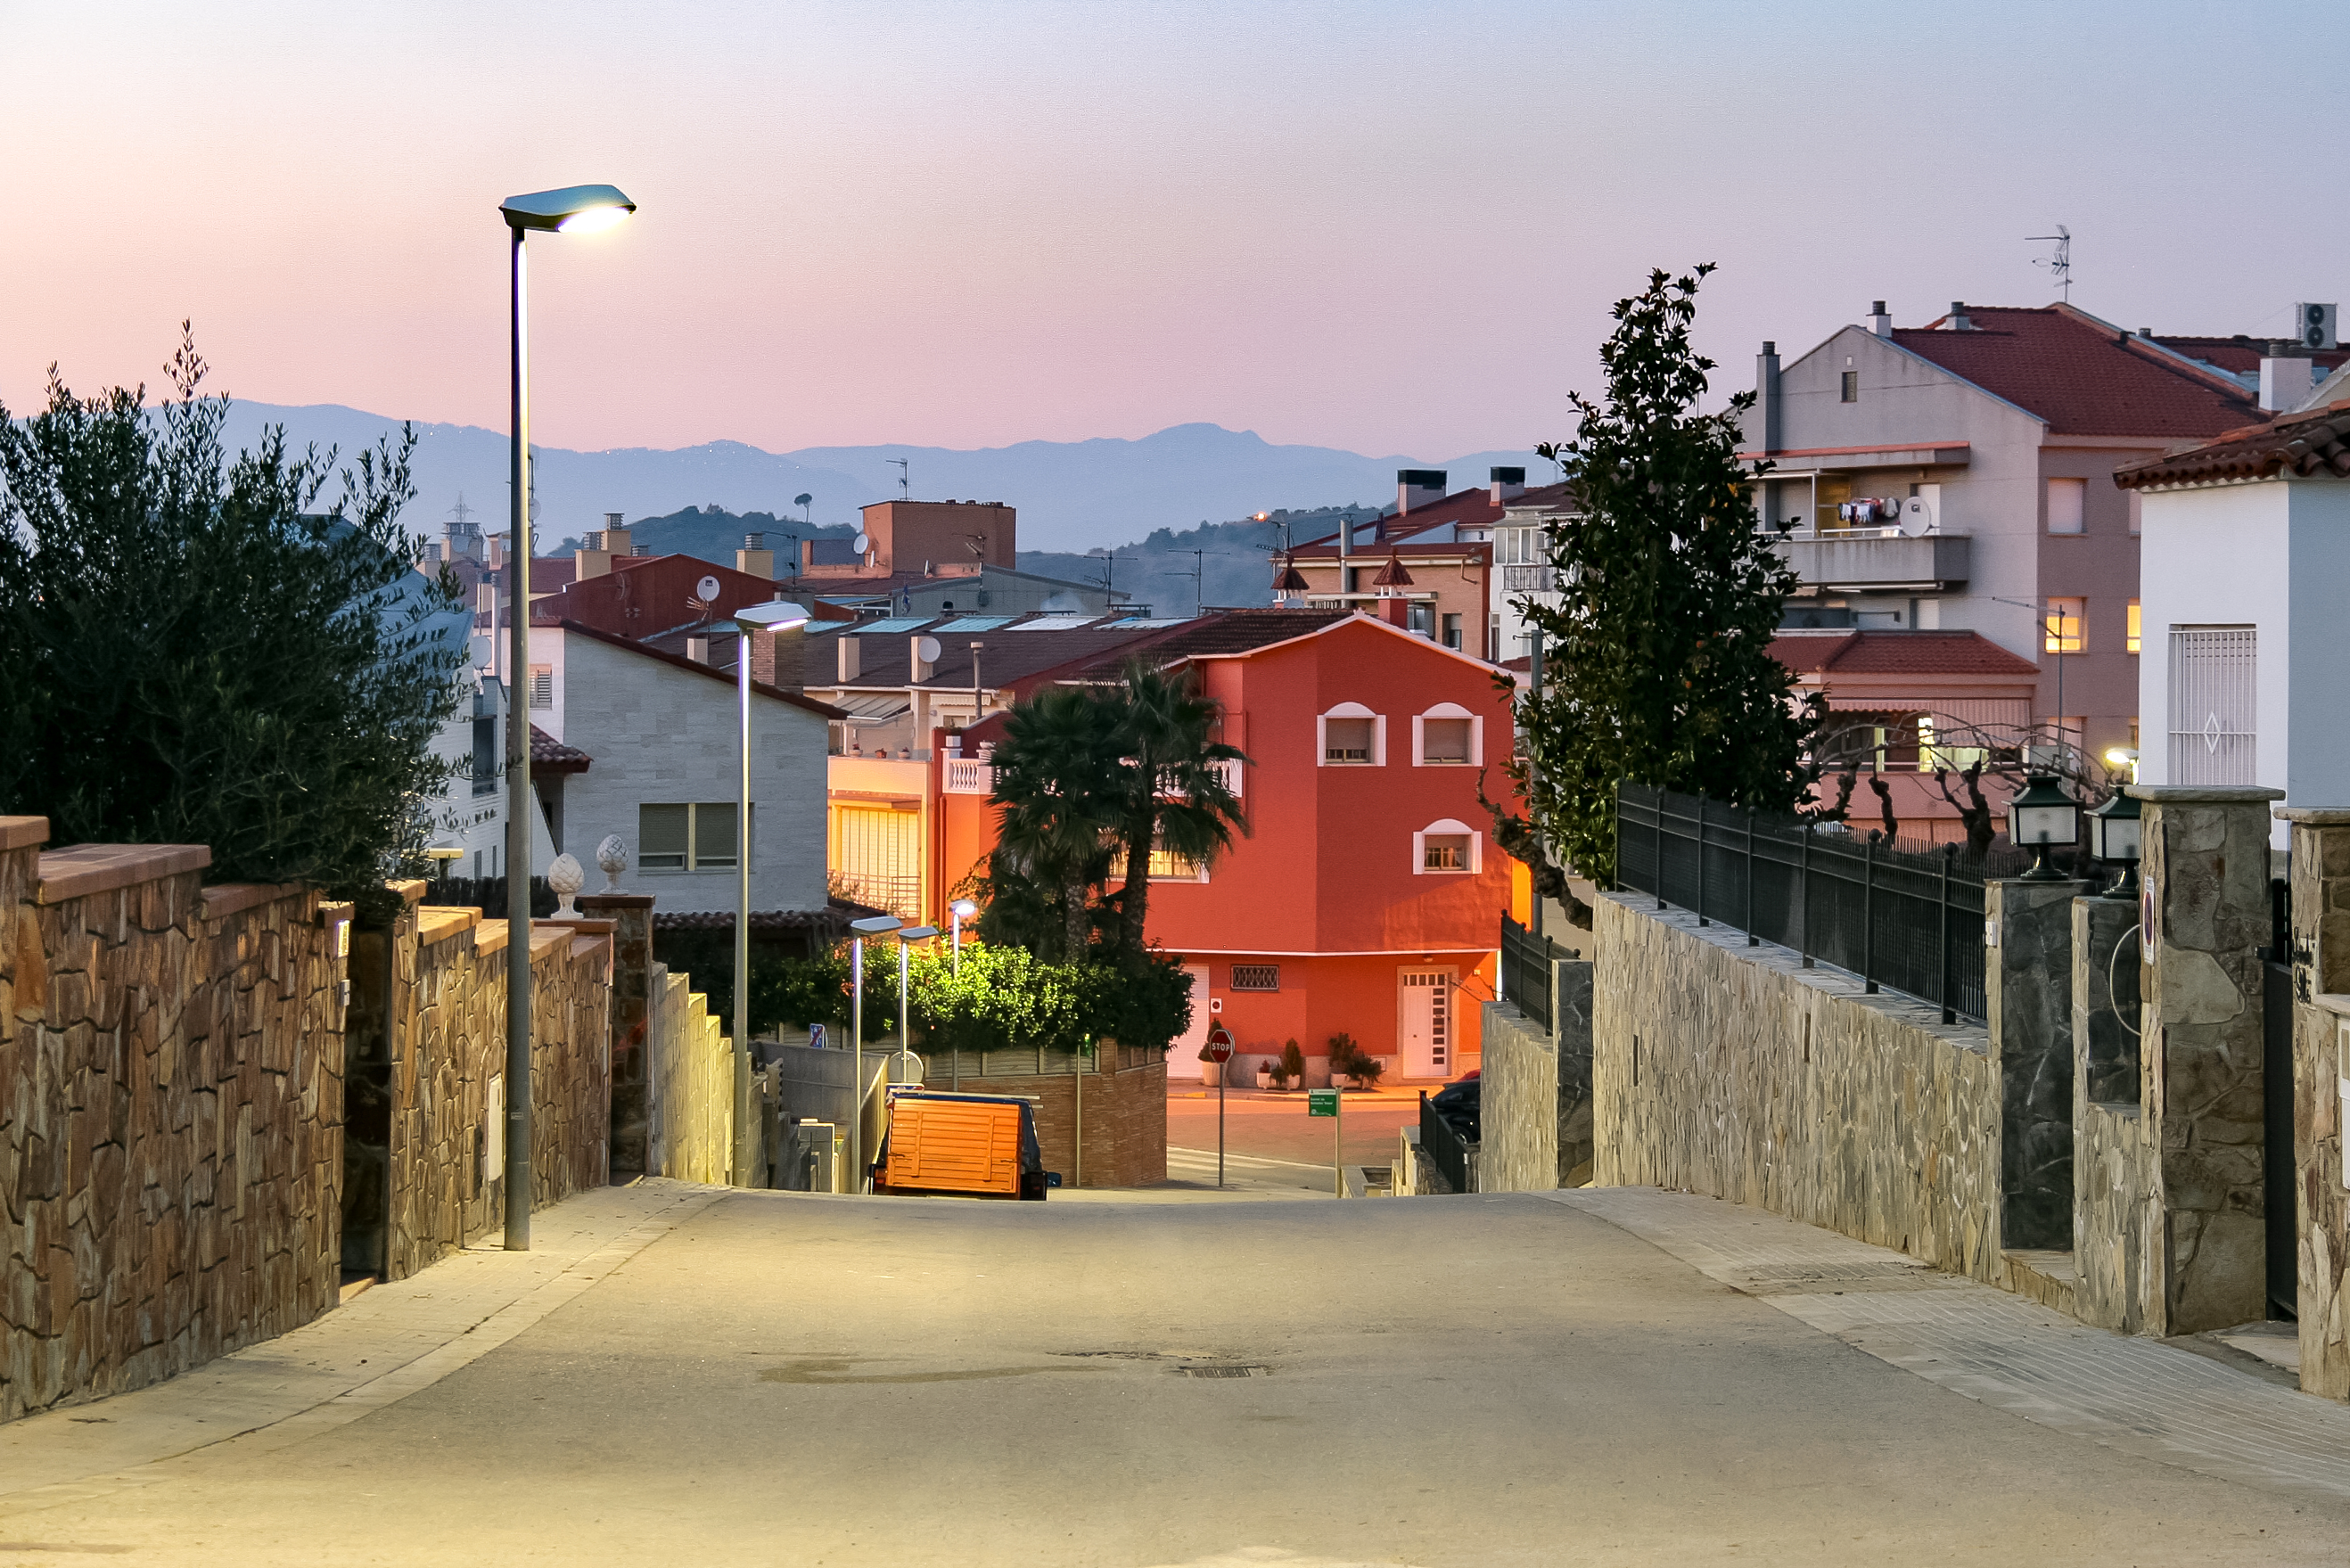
[(2138, 1396), (384, 1344)]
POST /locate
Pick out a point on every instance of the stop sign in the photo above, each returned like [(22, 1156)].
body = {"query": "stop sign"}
[(1219, 1047)]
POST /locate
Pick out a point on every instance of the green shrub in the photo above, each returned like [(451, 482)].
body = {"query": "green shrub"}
[(1293, 1062)]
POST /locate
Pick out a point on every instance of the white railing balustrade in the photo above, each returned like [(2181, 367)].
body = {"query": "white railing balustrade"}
[(968, 775)]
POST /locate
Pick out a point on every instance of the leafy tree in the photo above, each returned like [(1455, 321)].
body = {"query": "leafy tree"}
[(1655, 657), (1175, 796), (197, 655)]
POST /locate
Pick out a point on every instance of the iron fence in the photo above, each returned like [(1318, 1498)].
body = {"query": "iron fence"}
[(1454, 1156), (1899, 914), (1526, 973)]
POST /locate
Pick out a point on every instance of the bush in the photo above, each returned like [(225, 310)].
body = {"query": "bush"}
[(1293, 1062), (1344, 1055)]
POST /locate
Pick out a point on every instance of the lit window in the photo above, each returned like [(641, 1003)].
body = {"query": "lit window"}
[(1166, 865), (542, 686), (2133, 626), (2068, 504), (2061, 626), (1444, 852)]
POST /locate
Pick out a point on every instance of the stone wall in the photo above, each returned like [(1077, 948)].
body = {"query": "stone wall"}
[(2320, 986), (631, 915), (2027, 977), (1124, 1111), (689, 1084), (170, 1108), (1733, 1071), (1518, 1103), (2116, 1221)]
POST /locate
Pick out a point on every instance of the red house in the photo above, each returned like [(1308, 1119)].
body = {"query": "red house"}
[(1366, 897)]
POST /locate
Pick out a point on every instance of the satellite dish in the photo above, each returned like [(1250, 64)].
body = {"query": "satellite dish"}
[(1917, 516), (925, 648), (860, 543), (706, 590)]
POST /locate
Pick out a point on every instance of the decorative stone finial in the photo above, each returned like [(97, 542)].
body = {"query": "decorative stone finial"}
[(612, 854), (565, 878)]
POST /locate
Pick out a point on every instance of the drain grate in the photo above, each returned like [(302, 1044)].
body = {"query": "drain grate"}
[(1224, 1370)]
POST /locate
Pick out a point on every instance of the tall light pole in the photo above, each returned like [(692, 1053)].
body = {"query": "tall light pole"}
[(872, 926), (777, 616), (576, 209), (959, 911), (906, 935)]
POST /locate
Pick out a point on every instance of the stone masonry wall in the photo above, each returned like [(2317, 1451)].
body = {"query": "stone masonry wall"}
[(1518, 1087), (170, 1109), (631, 915), (1729, 1070), (2116, 1221), (689, 1084), (2320, 986)]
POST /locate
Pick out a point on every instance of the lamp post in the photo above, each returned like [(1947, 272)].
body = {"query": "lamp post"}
[(2043, 816), (576, 209), (959, 911), (906, 935), (872, 926), (2113, 840), (777, 616)]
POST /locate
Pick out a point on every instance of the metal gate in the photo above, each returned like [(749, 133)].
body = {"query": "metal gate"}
[(2283, 1240), (2214, 693)]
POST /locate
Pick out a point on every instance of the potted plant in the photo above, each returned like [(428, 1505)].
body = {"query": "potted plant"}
[(1367, 1069), (1293, 1065), (1344, 1059), (1266, 1068)]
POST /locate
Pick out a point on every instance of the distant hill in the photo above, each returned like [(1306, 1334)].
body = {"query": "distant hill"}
[(1073, 496), (1176, 573), (713, 534)]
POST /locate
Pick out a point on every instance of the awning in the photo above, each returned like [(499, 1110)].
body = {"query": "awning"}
[(877, 709)]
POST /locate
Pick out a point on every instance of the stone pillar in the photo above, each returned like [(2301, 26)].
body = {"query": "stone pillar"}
[(2111, 1220), (2207, 877), (1570, 1024), (2028, 979), (2321, 989), (631, 915)]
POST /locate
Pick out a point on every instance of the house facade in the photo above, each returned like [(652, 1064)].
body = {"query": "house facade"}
[(1434, 553)]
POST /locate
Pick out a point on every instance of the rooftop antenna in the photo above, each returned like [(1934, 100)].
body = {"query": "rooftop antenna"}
[(905, 490), (2060, 264), (461, 512)]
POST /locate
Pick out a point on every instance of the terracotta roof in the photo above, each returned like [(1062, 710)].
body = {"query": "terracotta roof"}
[(549, 756), (1393, 575), (1011, 657), (2081, 375), (1473, 508), (2312, 443), (1222, 633), (2239, 354), (831, 920), (1897, 653)]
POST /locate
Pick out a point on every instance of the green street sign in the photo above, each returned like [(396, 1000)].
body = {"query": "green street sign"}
[(1321, 1102)]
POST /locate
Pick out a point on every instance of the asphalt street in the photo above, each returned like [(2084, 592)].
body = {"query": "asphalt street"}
[(1502, 1379)]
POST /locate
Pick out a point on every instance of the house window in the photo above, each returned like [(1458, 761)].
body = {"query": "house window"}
[(1851, 386), (485, 756), (2214, 693), (2068, 504), (1452, 632), (1447, 848), (1447, 735), (2060, 627), (1419, 620), (2133, 641), (690, 838), (542, 686), (1167, 866), (1256, 977), (1353, 736)]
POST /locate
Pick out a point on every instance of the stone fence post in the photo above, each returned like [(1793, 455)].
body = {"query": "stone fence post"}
[(2320, 991), (2027, 977), (631, 915), (2206, 905)]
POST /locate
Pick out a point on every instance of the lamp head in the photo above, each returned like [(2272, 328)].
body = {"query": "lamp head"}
[(918, 933), (964, 909), (876, 925), (573, 210), (779, 615)]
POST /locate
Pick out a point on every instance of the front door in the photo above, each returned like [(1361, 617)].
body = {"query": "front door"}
[(1425, 1028), (1183, 1062)]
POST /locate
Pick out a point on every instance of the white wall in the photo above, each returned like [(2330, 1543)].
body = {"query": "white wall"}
[(658, 733), (2317, 771)]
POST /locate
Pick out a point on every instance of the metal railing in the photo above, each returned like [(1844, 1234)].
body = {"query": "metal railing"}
[(1526, 973), (1900, 913), (1454, 1156)]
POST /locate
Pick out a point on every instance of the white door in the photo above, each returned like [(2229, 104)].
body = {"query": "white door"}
[(1425, 1028), (1183, 1062)]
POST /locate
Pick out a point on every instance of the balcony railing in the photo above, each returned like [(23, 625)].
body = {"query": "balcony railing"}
[(968, 775), (1529, 580), (1878, 557)]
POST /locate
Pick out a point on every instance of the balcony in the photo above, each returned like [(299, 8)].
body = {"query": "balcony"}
[(1878, 560), (1529, 580), (968, 775)]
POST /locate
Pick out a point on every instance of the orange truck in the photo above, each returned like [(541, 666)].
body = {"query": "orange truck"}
[(981, 1146)]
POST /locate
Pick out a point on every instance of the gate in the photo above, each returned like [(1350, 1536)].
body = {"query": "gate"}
[(2283, 1240)]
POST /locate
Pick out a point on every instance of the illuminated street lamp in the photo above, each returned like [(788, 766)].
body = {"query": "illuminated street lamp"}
[(778, 615), (577, 209), (2044, 818), (906, 936), (2114, 839), (872, 926), (959, 911)]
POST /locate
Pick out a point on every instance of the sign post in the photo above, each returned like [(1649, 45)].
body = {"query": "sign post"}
[(1219, 1050), (1325, 1102)]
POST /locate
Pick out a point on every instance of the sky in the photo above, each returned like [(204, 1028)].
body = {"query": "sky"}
[(1384, 227)]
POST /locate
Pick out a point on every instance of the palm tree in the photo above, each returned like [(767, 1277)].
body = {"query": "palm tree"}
[(1057, 788), (1174, 796)]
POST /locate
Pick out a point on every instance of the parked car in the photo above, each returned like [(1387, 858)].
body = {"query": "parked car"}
[(983, 1146), (1461, 1103)]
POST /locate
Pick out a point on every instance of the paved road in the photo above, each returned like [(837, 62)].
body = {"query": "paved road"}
[(1504, 1380)]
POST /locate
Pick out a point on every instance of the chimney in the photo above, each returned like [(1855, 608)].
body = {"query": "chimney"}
[(919, 668), (1765, 428), (1396, 612), (1418, 487), (755, 558), (1958, 320), (1507, 483), (697, 648), (2286, 379), (852, 662), (1880, 320)]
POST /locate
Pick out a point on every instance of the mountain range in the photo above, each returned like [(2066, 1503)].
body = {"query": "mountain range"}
[(1073, 496)]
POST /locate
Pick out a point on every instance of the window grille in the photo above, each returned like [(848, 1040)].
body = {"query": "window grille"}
[(1256, 977), (542, 686), (2214, 689)]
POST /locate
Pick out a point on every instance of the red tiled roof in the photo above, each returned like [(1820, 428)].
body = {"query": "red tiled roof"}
[(2313, 442), (2241, 353), (2081, 375), (1473, 508), (1898, 653), (549, 756)]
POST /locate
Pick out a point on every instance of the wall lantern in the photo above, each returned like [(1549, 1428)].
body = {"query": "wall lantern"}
[(2114, 839), (2043, 817)]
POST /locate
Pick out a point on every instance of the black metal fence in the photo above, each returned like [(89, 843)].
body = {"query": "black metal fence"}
[(1453, 1155), (487, 893), (1526, 970), (1899, 914)]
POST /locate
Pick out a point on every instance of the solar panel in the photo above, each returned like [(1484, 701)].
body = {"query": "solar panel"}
[(895, 623), (977, 623), (1137, 625), (1057, 623)]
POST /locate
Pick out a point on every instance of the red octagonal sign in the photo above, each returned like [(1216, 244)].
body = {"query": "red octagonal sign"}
[(1219, 1047)]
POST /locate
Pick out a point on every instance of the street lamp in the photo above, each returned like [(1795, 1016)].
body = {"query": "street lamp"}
[(872, 926), (778, 615), (2114, 839), (959, 911), (576, 209), (906, 936), (2042, 816)]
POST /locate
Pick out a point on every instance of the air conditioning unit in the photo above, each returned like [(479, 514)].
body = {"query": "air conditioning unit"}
[(2314, 324)]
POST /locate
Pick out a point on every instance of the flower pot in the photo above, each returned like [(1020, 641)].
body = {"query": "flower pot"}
[(1264, 1079)]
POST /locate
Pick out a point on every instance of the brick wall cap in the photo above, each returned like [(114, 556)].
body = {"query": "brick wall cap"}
[(225, 898), (20, 832), (2207, 795), (2314, 816), (584, 926), (81, 869), (410, 889), (438, 922)]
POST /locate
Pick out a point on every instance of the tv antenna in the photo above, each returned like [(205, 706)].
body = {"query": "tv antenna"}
[(461, 512), (905, 490), (2059, 264)]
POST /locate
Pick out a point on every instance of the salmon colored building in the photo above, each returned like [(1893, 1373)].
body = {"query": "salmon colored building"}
[(1368, 895)]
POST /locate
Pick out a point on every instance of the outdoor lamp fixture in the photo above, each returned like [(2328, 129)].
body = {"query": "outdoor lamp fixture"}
[(778, 615), (572, 209), (872, 926), (959, 911), (440, 857), (2114, 839), (906, 935), (2042, 816)]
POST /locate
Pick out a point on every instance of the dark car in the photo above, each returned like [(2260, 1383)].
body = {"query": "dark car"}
[(1459, 1102)]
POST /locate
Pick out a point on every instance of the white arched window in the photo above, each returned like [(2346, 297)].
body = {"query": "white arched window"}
[(1351, 736), (1448, 735), (1448, 849)]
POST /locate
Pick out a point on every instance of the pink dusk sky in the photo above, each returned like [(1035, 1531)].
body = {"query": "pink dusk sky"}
[(1390, 228)]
